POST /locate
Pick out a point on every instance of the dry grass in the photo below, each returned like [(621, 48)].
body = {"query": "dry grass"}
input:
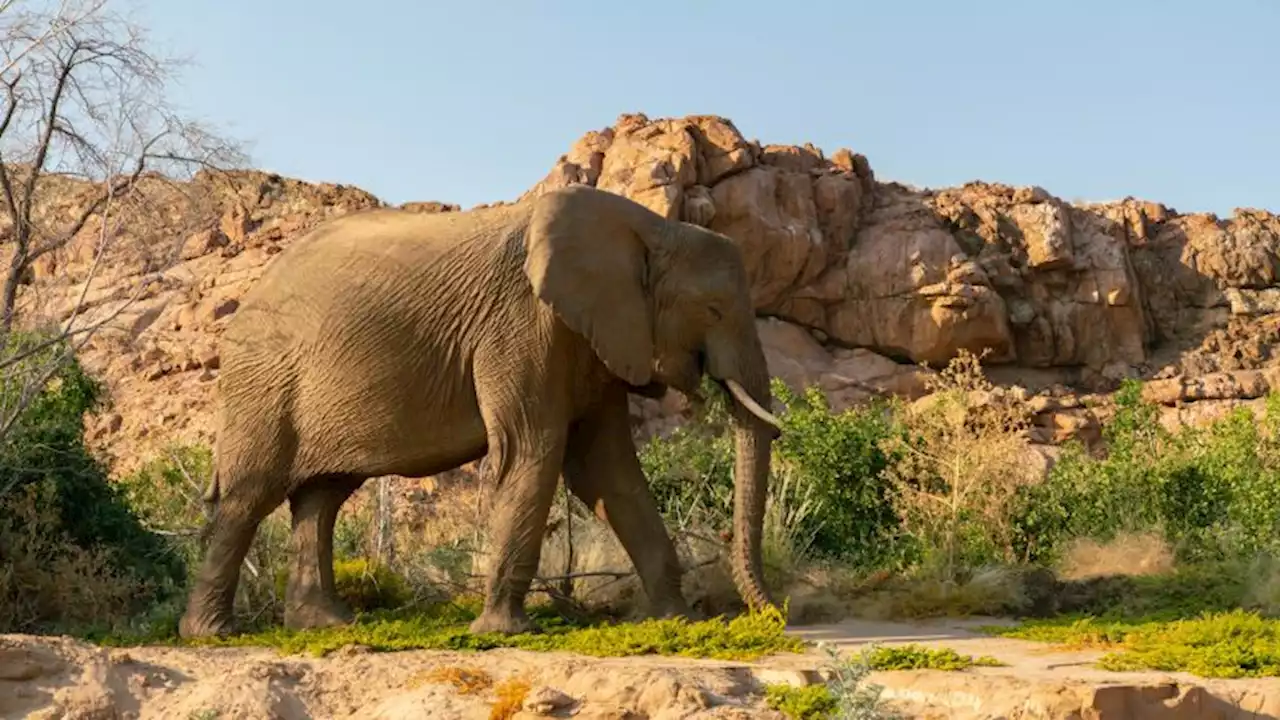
[(989, 591), (511, 694), (466, 680), (829, 594), (966, 459), (1132, 554)]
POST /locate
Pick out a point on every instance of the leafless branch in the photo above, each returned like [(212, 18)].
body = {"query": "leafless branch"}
[(63, 19), (85, 116)]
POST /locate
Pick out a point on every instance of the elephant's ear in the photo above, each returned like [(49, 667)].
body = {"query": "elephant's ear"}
[(586, 260)]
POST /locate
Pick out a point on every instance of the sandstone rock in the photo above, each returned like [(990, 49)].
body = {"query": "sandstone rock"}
[(863, 279), (1236, 385), (430, 207), (222, 308), (908, 291), (699, 208), (546, 700), (773, 218), (19, 664), (1253, 302), (845, 376), (700, 169)]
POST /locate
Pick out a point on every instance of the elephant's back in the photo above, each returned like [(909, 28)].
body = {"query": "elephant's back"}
[(367, 263)]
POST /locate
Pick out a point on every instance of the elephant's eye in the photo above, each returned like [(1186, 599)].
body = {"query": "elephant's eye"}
[(715, 312)]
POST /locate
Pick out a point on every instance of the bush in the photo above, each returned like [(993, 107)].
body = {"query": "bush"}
[(1210, 492), (363, 584), (368, 586), (690, 471), (960, 465), (827, 498), (46, 579), (941, 489), (167, 493), (842, 458), (44, 453)]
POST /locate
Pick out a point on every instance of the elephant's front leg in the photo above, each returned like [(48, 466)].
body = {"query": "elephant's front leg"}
[(526, 468), (602, 470)]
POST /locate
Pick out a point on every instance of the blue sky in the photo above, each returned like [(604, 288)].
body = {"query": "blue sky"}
[(1169, 100)]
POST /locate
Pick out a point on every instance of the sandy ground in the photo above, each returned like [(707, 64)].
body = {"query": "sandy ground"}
[(53, 677)]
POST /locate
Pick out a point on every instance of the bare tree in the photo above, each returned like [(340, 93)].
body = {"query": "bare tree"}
[(82, 98)]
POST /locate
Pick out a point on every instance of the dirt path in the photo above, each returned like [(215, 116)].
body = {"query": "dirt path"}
[(49, 677), (1039, 681)]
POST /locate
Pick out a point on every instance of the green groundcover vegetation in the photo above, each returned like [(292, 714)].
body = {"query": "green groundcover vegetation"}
[(918, 509)]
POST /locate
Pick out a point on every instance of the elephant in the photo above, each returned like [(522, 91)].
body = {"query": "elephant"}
[(388, 342)]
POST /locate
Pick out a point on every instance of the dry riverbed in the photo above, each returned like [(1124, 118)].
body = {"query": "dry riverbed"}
[(57, 677)]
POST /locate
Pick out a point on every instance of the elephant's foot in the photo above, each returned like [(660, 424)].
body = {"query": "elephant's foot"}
[(504, 623), (198, 622), (317, 613)]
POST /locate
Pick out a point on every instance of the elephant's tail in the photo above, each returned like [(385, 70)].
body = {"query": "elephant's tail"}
[(211, 496), (212, 493)]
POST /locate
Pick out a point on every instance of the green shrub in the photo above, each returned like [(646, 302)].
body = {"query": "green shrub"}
[(918, 657), (47, 581), (842, 458), (690, 471), (365, 585), (1230, 644), (846, 696), (45, 448), (1212, 492), (444, 627), (368, 586), (167, 493), (828, 465), (810, 702)]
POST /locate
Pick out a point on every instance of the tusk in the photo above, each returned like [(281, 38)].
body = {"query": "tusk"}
[(740, 394)]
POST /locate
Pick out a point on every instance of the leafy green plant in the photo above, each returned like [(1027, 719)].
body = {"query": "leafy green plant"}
[(167, 492), (846, 696), (44, 452), (366, 585), (827, 491), (444, 627), (1227, 644), (1211, 491), (917, 657), (810, 702), (48, 581), (842, 457), (854, 699), (962, 462), (690, 471)]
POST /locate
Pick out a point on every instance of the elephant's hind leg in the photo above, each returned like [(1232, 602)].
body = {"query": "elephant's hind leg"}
[(602, 470), (243, 503), (311, 600)]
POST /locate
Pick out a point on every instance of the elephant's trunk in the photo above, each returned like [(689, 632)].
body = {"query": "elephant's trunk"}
[(750, 472), (747, 379)]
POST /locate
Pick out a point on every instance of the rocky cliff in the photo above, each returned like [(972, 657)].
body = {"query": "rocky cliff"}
[(857, 281)]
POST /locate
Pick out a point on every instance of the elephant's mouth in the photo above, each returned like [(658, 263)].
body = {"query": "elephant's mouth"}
[(741, 397)]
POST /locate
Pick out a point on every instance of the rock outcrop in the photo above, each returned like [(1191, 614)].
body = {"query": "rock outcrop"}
[(857, 281)]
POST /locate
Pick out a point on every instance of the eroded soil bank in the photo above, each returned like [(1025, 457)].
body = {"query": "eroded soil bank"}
[(56, 677)]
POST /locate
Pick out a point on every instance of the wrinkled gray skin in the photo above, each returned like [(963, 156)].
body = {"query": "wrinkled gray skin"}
[(395, 343)]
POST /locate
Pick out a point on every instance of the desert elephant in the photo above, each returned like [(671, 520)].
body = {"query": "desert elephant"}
[(395, 343)]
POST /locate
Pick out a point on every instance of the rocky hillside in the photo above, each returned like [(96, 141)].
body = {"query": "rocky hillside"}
[(857, 281)]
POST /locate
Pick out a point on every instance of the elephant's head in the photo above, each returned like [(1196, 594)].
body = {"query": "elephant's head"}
[(662, 302)]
